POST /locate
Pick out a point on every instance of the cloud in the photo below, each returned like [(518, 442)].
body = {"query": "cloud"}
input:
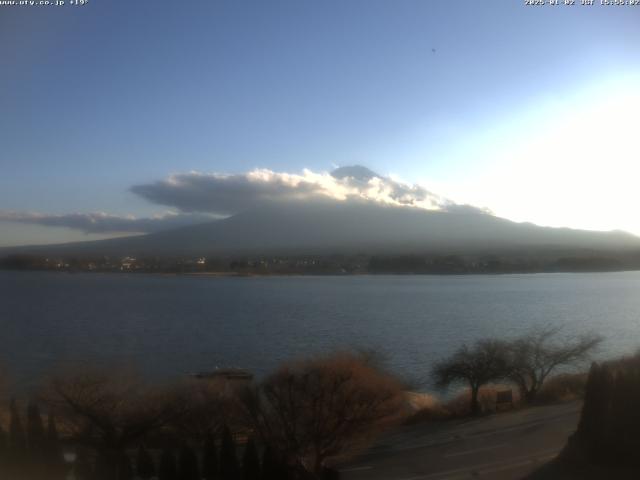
[(224, 194), (202, 197), (105, 223)]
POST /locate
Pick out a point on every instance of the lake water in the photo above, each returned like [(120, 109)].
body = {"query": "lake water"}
[(169, 325)]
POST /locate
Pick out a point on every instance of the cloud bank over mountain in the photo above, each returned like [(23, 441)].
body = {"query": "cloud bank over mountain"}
[(229, 194), (196, 197), (101, 222)]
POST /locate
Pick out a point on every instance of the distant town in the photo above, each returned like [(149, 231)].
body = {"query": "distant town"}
[(328, 264)]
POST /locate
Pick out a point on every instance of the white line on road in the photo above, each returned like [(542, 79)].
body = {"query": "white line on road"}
[(523, 463), (449, 438), (476, 450), (357, 469), (484, 468)]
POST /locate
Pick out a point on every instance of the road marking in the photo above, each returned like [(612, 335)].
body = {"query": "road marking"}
[(484, 468), (486, 471), (476, 450), (356, 469), (519, 464), (448, 438)]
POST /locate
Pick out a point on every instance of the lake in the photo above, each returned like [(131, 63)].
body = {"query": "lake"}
[(170, 325)]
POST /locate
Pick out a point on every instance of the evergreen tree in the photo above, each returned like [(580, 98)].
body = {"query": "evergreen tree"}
[(188, 464), (330, 474), (210, 469), (269, 466), (125, 470), (622, 433), (106, 465), (167, 469), (82, 469), (610, 421), (52, 434), (592, 428), (35, 465), (3, 452), (17, 439), (273, 467), (52, 453), (250, 462), (35, 432), (145, 468), (229, 469)]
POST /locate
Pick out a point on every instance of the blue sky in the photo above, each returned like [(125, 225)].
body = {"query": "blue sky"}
[(451, 95)]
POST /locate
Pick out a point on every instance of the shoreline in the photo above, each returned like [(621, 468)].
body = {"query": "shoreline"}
[(330, 274)]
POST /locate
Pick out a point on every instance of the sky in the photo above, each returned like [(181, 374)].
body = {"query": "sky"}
[(119, 117)]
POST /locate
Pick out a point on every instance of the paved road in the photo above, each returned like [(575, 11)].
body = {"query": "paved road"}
[(505, 446)]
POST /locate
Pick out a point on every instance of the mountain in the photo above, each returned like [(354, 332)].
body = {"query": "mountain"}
[(350, 227)]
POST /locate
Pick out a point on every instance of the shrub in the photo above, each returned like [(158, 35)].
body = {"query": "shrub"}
[(562, 388), (321, 408), (424, 408), (459, 406)]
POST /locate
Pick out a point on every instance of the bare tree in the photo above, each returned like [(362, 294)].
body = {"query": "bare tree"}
[(206, 408), (321, 408), (484, 362), (109, 411), (535, 355)]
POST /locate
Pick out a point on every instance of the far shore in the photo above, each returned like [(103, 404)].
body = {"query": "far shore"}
[(222, 274)]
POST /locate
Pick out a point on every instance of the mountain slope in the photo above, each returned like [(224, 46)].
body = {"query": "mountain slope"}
[(336, 227)]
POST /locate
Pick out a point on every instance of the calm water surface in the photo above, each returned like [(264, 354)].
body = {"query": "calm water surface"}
[(169, 325)]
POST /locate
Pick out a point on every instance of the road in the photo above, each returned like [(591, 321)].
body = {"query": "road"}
[(501, 447)]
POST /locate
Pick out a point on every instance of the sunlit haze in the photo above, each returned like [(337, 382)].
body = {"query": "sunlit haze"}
[(564, 161)]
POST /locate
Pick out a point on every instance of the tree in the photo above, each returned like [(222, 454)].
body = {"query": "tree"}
[(145, 467), (620, 434), (17, 437), (3, 451), (250, 461), (36, 443), (36, 437), (188, 464), (207, 406), (167, 469), (82, 466), (534, 356), (330, 474), (608, 429), (319, 408), (210, 469), (273, 468), (484, 362), (109, 411), (107, 464), (54, 461), (125, 470), (229, 469)]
